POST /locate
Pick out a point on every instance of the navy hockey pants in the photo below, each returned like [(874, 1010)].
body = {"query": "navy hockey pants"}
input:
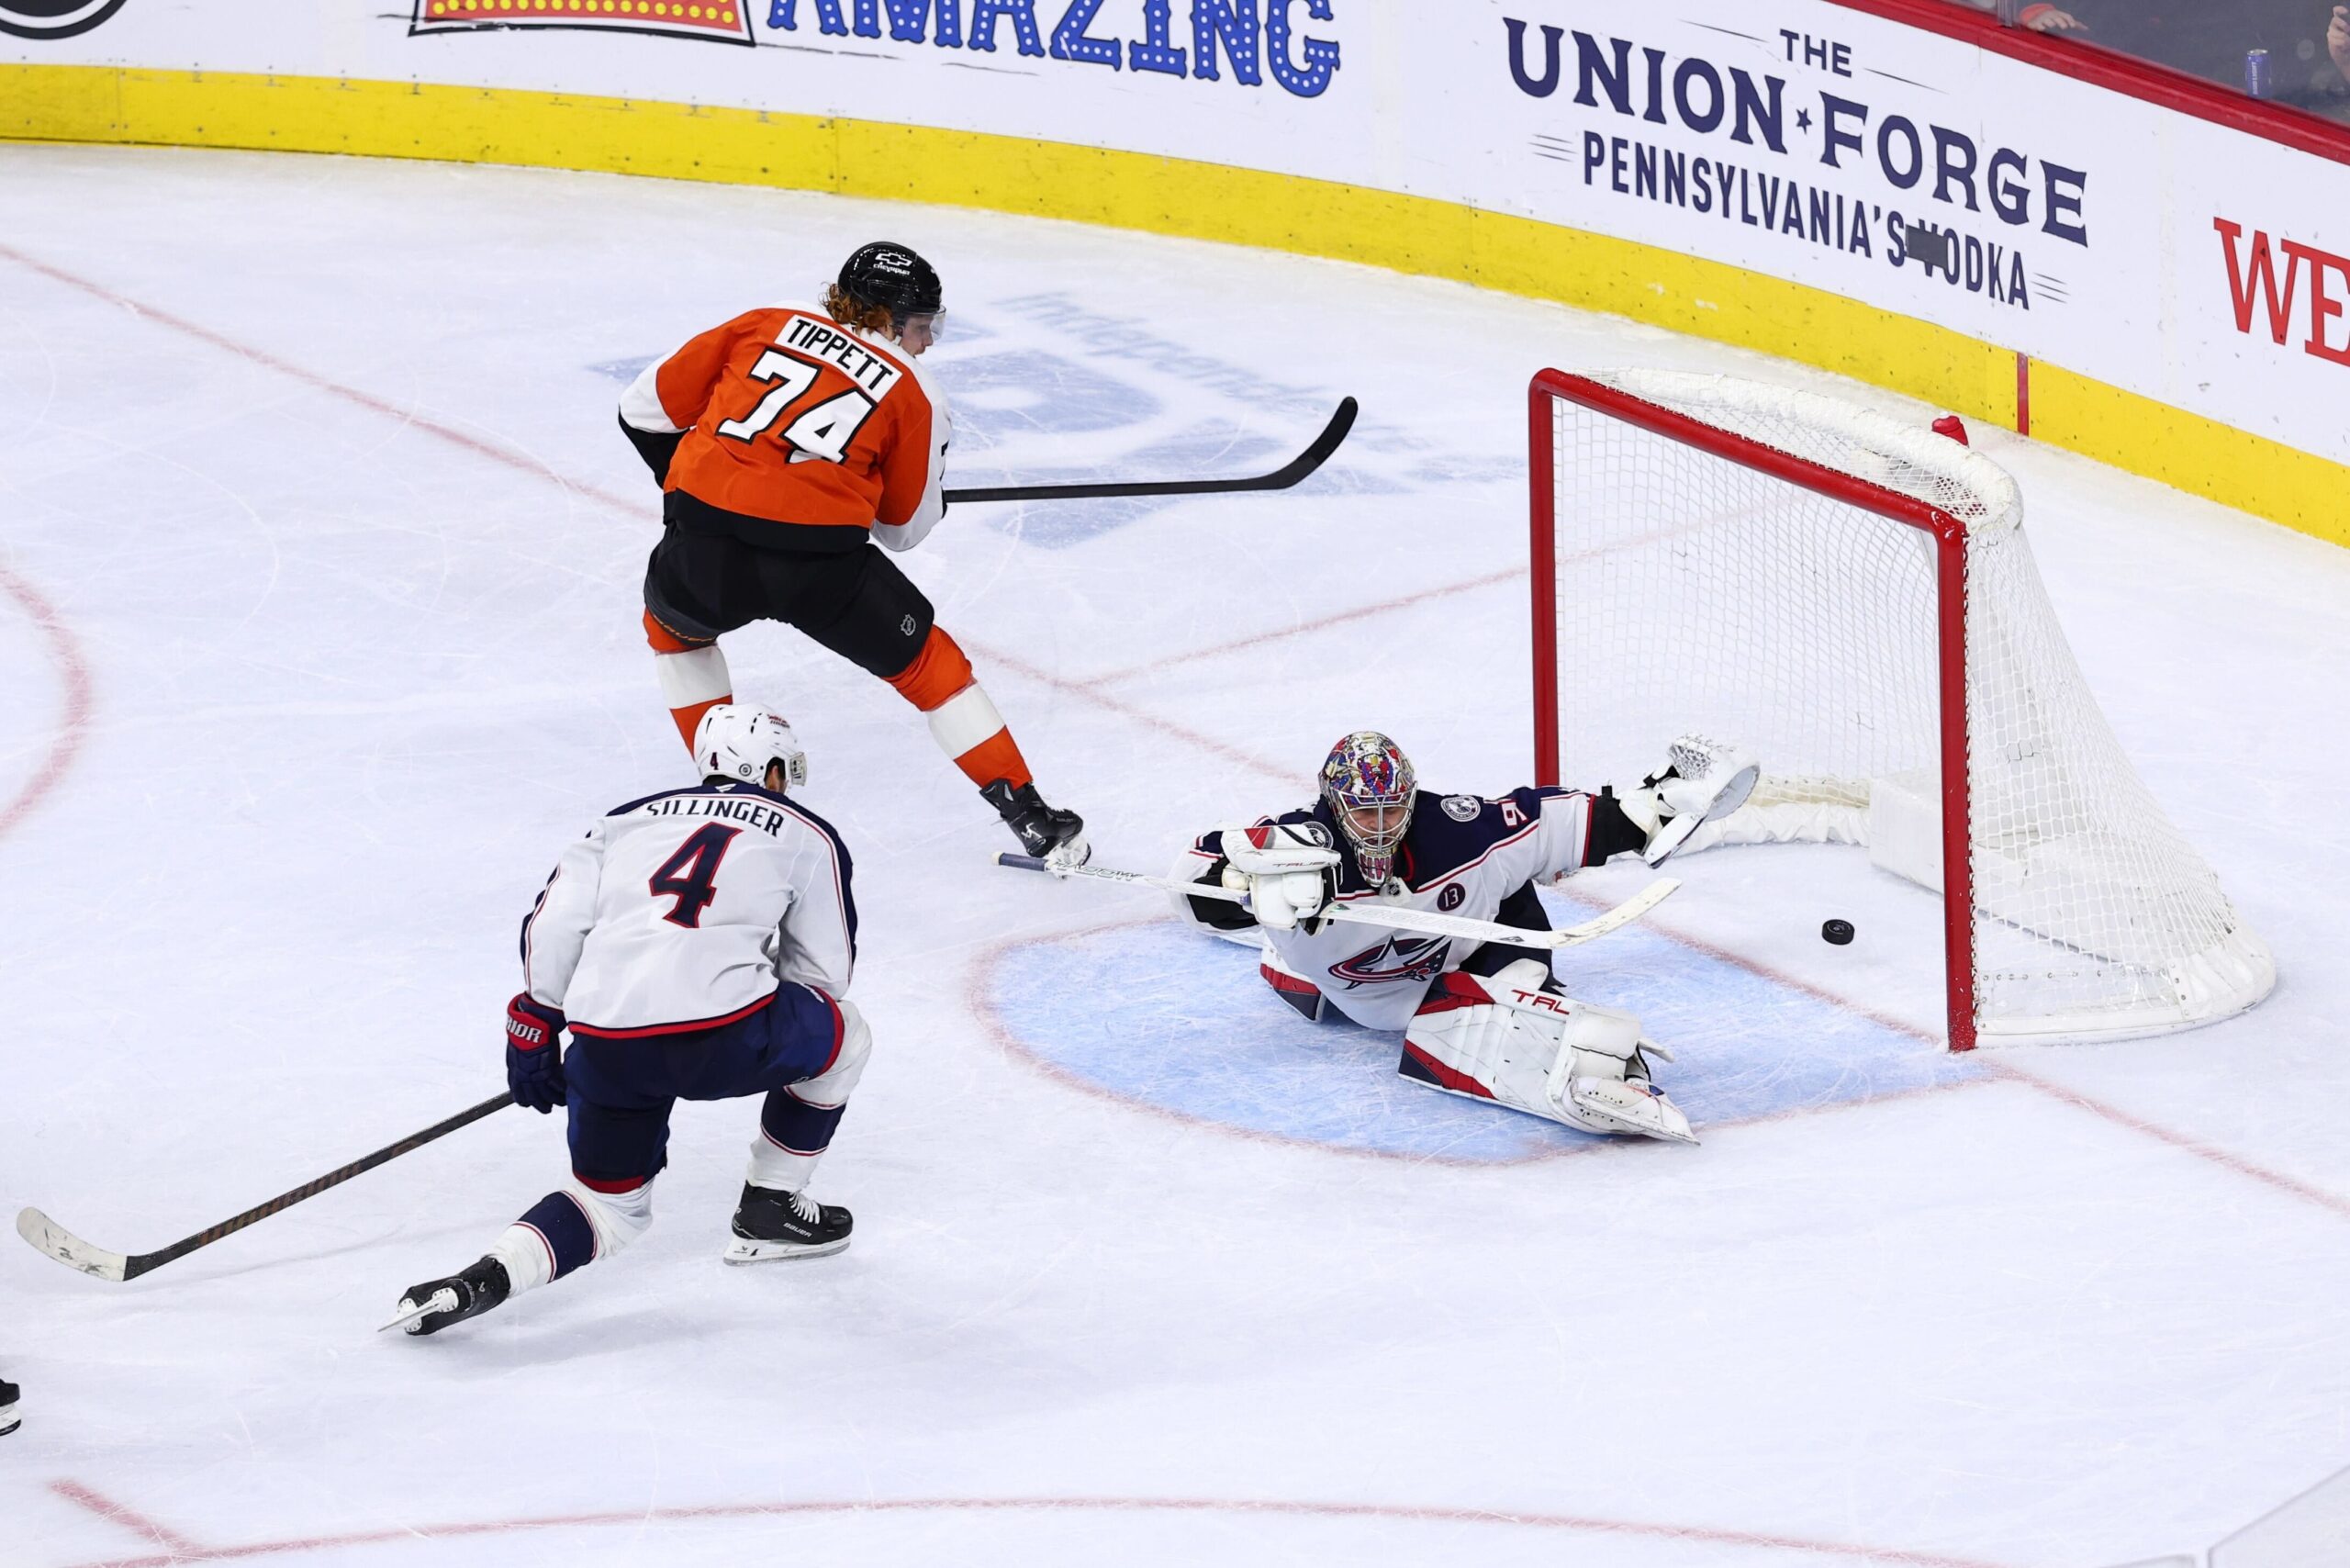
[(620, 1089)]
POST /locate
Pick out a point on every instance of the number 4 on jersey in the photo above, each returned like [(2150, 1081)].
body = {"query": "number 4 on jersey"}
[(823, 432), (691, 875)]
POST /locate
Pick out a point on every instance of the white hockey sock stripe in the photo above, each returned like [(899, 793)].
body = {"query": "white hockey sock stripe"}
[(964, 720), (698, 675), (618, 1218), (524, 1253), (778, 1168)]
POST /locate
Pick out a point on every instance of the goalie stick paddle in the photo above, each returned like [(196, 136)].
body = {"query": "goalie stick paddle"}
[(1393, 916), (46, 1235), (1281, 479)]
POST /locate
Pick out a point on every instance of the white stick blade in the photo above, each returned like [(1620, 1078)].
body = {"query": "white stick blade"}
[(1624, 914), (46, 1235)]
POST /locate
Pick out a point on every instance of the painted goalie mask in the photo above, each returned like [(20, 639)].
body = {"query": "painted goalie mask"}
[(1368, 784)]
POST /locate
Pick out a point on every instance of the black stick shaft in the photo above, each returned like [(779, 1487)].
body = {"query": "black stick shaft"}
[(1281, 479), (134, 1266)]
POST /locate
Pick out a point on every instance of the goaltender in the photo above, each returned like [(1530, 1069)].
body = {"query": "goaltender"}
[(1479, 1019)]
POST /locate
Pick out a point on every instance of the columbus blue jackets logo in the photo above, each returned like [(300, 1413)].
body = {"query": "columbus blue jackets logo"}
[(1399, 958), (53, 18), (1463, 808)]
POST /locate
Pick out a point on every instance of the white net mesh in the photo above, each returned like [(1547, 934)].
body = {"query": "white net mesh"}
[(1697, 592)]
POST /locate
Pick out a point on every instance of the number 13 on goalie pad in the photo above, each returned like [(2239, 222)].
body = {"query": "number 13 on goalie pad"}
[(1511, 1040)]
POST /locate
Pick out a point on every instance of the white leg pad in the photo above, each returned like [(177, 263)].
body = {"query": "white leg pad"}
[(699, 675), (617, 1219), (787, 1170), (964, 720), (1508, 1041)]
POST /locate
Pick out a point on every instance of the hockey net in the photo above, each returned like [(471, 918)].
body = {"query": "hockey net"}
[(1854, 599)]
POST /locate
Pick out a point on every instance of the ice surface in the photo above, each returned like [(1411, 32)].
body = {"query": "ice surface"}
[(319, 561)]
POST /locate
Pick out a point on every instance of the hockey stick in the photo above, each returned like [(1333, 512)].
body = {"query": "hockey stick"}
[(1281, 479), (46, 1235), (1393, 916)]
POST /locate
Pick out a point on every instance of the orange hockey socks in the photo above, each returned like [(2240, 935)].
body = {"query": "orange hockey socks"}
[(963, 720), (694, 678)]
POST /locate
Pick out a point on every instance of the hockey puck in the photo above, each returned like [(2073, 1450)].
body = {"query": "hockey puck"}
[(1837, 931)]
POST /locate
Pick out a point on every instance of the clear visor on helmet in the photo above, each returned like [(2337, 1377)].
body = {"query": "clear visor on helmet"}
[(923, 325)]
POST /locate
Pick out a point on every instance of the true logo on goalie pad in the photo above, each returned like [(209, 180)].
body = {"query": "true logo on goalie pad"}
[(1463, 808)]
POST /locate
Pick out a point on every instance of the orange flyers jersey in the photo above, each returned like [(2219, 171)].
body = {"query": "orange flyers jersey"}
[(792, 416)]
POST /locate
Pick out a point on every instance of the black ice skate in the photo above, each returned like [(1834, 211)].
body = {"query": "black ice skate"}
[(433, 1305), (1044, 832), (771, 1225), (9, 1419)]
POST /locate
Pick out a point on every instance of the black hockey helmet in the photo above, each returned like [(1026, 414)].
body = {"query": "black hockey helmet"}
[(893, 277)]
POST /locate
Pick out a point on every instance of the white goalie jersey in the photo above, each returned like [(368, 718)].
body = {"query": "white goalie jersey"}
[(1462, 855), (685, 910)]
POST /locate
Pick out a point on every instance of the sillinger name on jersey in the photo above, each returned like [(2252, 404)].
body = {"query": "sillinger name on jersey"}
[(823, 340), (766, 819)]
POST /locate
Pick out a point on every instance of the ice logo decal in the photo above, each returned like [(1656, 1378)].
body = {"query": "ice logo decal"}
[(54, 19), (721, 21), (1399, 958)]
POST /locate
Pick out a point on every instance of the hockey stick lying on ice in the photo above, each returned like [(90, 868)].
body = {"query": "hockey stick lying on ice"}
[(1394, 917), (1281, 479), (70, 1250)]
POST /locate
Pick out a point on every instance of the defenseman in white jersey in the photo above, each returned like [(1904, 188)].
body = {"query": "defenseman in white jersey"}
[(697, 944), (1481, 1019)]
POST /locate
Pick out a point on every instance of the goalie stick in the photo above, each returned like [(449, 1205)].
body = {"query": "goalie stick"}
[(1281, 479), (1393, 916), (46, 1235)]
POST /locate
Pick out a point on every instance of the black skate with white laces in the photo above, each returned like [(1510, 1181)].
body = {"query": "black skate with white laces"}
[(9, 1419), (769, 1224), (433, 1305), (1044, 831)]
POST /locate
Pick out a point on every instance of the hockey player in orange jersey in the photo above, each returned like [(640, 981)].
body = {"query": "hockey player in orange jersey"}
[(786, 441)]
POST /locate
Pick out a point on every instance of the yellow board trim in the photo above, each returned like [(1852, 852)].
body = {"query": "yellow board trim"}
[(1196, 201)]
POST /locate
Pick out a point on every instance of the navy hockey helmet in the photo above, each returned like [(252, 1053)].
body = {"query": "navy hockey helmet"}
[(893, 277)]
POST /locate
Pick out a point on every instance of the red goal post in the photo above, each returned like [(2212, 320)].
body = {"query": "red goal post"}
[(1728, 558)]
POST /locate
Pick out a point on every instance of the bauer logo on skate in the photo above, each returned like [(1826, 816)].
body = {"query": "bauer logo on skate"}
[(1810, 155), (1223, 35), (726, 21)]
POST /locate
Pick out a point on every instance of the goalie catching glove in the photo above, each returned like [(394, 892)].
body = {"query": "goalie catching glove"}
[(1703, 781), (1288, 869), (1515, 1040)]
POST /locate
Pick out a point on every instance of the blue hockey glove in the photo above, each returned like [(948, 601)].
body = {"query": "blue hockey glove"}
[(533, 1058)]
